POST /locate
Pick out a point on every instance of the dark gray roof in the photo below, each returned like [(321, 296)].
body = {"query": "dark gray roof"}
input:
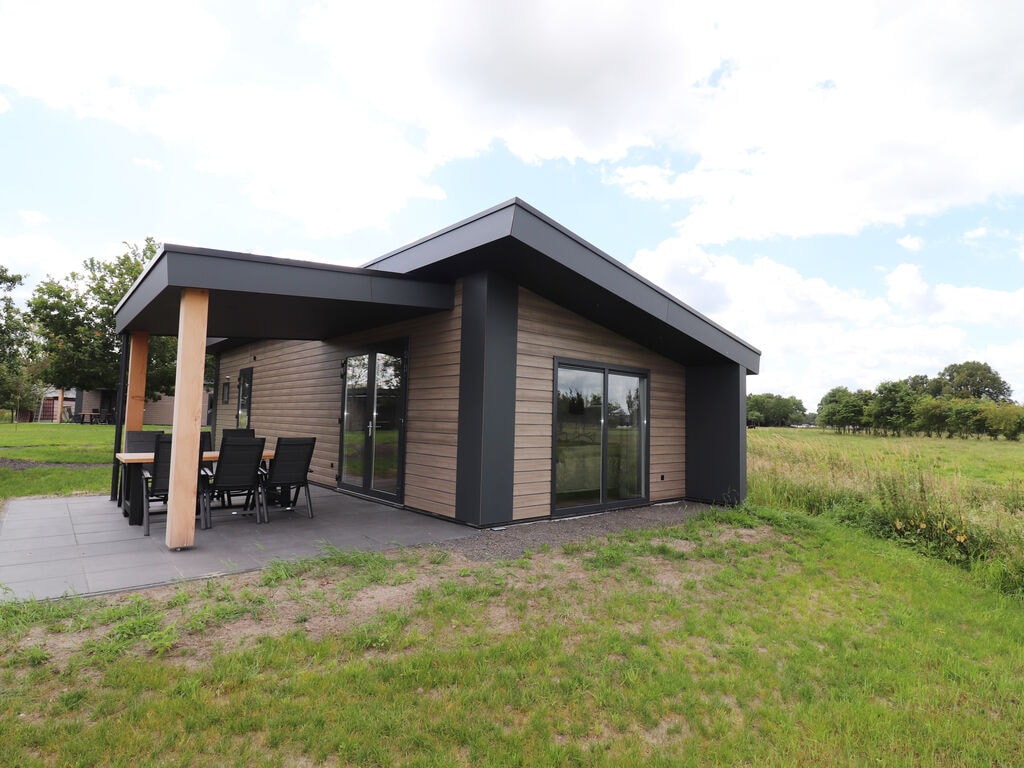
[(255, 297), (518, 240), (263, 297)]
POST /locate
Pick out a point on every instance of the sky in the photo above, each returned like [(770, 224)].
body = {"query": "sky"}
[(841, 185)]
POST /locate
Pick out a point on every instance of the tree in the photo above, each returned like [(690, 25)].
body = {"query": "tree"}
[(965, 419), (844, 410), (931, 415), (891, 410), (75, 318), (18, 388), (774, 410), (22, 387), (1006, 419), (974, 380)]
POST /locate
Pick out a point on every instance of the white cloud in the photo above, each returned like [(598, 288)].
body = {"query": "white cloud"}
[(911, 243), (907, 288), (32, 255), (147, 162), (785, 127), (815, 335), (32, 218), (976, 234), (778, 154), (5, 105)]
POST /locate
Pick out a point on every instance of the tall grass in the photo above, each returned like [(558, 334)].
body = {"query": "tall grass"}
[(959, 501)]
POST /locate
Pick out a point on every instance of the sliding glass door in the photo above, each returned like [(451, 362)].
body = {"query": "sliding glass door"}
[(600, 437), (372, 434)]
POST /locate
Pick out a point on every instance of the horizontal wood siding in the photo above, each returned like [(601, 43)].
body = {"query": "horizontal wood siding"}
[(297, 391), (432, 426), (547, 331)]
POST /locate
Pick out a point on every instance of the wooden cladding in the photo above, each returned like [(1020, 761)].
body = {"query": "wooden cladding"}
[(297, 391), (547, 331)]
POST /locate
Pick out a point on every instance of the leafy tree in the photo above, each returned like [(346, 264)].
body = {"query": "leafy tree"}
[(13, 329), (18, 388), (75, 318), (22, 387), (931, 415), (891, 410), (965, 419), (774, 410), (844, 410), (917, 383), (974, 380), (1006, 419)]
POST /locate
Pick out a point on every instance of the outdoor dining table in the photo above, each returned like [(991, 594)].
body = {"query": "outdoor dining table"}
[(134, 488)]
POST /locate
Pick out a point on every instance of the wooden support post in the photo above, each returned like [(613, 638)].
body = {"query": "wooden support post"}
[(138, 357), (60, 406), (187, 419)]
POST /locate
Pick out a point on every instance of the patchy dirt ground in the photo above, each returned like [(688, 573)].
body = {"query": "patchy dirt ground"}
[(322, 603)]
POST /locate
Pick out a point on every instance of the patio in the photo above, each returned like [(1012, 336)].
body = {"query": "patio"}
[(83, 544)]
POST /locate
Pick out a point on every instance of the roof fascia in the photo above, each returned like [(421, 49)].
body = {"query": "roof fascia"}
[(187, 267), (536, 230)]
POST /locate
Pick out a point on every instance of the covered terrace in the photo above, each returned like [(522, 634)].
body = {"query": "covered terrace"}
[(203, 296)]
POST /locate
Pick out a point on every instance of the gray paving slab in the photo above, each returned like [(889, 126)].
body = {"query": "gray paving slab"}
[(83, 544)]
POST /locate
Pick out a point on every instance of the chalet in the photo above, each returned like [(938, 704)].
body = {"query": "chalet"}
[(500, 370)]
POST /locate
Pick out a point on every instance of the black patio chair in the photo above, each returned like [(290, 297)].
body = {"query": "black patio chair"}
[(135, 441), (289, 471), (226, 436), (238, 471), (205, 444), (157, 479)]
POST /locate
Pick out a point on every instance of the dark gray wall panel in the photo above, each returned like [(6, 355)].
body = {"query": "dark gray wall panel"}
[(487, 400), (716, 433)]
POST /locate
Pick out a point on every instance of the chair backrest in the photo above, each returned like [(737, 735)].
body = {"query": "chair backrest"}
[(290, 465), (230, 434), (239, 464), (161, 465), (205, 444), (137, 441)]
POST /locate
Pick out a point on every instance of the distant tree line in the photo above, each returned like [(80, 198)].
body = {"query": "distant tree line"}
[(967, 399), (768, 410)]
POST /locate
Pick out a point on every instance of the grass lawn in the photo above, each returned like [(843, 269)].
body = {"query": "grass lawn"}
[(769, 635), (70, 458)]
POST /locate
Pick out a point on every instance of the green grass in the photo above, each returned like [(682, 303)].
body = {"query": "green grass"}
[(750, 639), (957, 500), (83, 451), (795, 631)]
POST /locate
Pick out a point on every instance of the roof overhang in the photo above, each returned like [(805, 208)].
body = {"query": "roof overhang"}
[(517, 240), (263, 297)]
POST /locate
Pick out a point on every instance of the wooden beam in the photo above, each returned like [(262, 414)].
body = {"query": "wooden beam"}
[(138, 356), (187, 418)]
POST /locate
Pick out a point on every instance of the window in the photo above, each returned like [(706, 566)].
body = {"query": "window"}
[(242, 417), (600, 436)]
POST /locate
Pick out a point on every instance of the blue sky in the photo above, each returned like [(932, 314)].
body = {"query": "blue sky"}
[(841, 185)]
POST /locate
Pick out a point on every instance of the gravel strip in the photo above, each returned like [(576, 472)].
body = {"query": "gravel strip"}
[(511, 541)]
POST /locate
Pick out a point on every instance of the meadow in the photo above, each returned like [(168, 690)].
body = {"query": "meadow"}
[(953, 499), (796, 630)]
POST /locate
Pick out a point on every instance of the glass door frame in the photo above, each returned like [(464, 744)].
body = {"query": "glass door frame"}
[(606, 370), (395, 348)]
